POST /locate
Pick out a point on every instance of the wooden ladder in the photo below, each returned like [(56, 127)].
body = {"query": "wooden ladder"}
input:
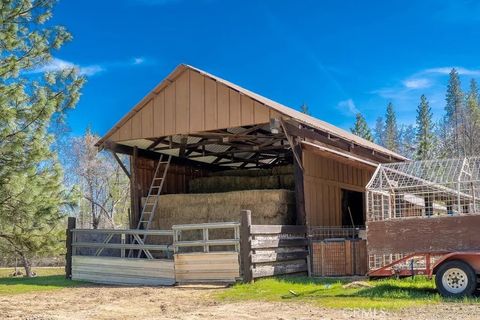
[(148, 210)]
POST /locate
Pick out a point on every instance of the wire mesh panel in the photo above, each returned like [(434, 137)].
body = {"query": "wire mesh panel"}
[(337, 251), (322, 233), (424, 189), (416, 189), (338, 257)]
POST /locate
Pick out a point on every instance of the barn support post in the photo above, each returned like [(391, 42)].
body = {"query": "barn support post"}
[(71, 224), (135, 212), (299, 187), (246, 245)]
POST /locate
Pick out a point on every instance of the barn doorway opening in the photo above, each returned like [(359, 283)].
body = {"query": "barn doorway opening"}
[(353, 209)]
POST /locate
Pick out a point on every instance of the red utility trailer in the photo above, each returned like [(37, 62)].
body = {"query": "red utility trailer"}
[(424, 219)]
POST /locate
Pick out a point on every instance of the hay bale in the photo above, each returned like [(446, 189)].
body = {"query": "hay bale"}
[(255, 172), (214, 184), (267, 206)]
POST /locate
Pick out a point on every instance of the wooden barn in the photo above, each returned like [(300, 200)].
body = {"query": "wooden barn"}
[(202, 149)]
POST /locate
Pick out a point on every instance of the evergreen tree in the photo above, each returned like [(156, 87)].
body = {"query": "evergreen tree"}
[(391, 129), (379, 130), (361, 128), (31, 191), (472, 121), (424, 131), (407, 141), (454, 115), (304, 109)]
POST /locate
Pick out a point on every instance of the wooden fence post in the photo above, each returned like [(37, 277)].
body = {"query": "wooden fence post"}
[(71, 224), (246, 245)]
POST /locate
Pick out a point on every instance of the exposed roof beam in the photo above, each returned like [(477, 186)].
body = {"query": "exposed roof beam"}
[(120, 148), (156, 143), (299, 131), (120, 163)]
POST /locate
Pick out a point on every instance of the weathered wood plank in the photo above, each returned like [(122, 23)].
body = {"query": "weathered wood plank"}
[(246, 245), (206, 277), (224, 267), (276, 243), (207, 267), (123, 262), (124, 280), (71, 223), (261, 257), (123, 270), (199, 258), (279, 269), (450, 233), (277, 229)]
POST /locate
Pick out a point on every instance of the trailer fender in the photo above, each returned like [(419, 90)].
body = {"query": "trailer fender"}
[(472, 258)]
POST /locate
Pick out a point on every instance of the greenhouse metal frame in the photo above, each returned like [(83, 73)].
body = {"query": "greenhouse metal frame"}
[(424, 189)]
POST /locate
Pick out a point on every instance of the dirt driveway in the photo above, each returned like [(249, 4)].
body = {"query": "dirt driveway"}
[(190, 303)]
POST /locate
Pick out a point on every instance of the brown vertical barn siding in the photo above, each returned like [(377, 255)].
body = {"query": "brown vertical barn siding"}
[(193, 102), (169, 108), (323, 180), (178, 176)]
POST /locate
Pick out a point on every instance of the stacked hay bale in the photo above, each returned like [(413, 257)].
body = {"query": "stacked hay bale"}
[(252, 179), (267, 206)]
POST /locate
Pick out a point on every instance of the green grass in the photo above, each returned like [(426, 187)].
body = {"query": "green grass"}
[(389, 294), (47, 279)]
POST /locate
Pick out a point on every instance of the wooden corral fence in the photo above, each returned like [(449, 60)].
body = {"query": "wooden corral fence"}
[(101, 255), (218, 258), (207, 252), (271, 250)]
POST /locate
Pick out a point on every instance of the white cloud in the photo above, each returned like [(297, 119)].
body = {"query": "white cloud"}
[(446, 70), (431, 78), (138, 60), (347, 107), (418, 83), (56, 65)]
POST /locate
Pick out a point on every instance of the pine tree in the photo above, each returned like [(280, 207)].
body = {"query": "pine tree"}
[(472, 121), (454, 115), (361, 128), (391, 129), (407, 141), (304, 109), (31, 191), (424, 130), (379, 128)]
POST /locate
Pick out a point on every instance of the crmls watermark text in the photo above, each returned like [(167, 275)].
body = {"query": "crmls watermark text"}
[(372, 313)]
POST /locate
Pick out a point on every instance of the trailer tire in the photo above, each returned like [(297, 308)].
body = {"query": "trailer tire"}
[(455, 278)]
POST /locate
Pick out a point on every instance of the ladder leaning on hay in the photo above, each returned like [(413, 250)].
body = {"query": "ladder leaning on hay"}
[(148, 210)]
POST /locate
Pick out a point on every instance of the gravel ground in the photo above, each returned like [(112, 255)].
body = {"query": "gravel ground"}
[(192, 302)]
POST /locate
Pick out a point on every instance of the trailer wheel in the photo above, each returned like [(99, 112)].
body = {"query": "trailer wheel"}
[(455, 279)]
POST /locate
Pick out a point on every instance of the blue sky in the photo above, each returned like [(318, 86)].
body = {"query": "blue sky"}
[(339, 57)]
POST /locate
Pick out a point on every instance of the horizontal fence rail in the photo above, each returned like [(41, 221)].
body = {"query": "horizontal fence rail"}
[(206, 242), (118, 239), (218, 260)]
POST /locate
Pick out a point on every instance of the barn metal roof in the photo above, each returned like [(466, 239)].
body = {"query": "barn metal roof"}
[(302, 118)]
